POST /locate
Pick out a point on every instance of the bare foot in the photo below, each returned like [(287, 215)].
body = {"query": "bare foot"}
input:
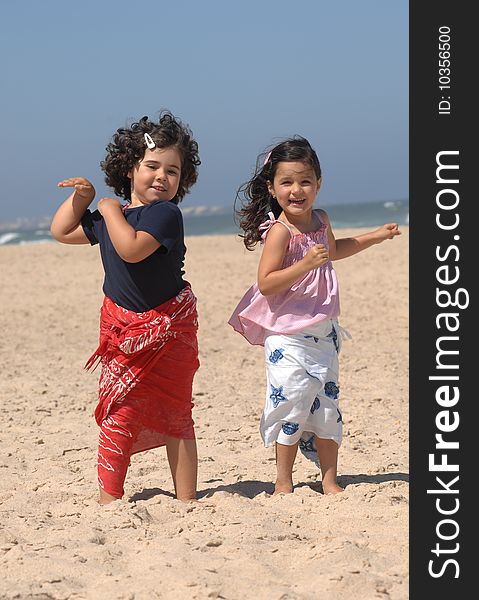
[(283, 487), (105, 498), (332, 488)]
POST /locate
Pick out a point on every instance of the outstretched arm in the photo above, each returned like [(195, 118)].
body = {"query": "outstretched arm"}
[(131, 245), (65, 226), (344, 247)]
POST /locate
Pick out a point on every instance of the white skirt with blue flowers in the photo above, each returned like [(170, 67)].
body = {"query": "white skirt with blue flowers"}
[(302, 394)]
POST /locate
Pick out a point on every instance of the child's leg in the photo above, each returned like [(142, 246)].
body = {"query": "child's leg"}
[(285, 456), (183, 460), (115, 441), (105, 497), (328, 458)]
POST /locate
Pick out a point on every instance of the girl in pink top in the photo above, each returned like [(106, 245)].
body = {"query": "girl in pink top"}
[(293, 308)]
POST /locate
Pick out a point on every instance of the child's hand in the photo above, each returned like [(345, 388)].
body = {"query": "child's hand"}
[(316, 256), (83, 187), (386, 232), (105, 203)]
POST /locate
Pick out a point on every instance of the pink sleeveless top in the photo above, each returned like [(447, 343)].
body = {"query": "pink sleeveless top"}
[(313, 298)]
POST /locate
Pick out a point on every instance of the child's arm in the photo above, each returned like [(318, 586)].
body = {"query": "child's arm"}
[(344, 247), (65, 226), (272, 278), (131, 245)]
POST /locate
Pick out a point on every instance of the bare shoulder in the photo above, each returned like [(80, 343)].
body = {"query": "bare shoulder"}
[(323, 215), (279, 234)]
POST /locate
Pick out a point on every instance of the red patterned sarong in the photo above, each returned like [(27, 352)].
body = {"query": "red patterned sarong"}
[(148, 362)]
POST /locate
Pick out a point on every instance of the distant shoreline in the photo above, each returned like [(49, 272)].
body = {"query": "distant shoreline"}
[(50, 240), (218, 220)]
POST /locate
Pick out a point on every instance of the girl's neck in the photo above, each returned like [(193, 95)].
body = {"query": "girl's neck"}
[(135, 202), (302, 224)]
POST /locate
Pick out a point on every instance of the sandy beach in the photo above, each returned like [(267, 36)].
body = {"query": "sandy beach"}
[(238, 542)]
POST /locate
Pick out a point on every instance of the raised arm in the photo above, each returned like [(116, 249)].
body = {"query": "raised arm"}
[(344, 247), (131, 245), (65, 226)]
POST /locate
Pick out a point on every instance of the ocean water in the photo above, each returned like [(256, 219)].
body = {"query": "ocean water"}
[(366, 214)]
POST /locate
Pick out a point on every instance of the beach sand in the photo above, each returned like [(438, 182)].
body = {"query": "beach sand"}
[(238, 542)]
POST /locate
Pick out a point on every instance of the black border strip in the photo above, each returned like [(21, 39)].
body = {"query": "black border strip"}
[(442, 543)]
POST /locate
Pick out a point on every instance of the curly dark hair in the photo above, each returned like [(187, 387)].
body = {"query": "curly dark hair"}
[(256, 201), (128, 147)]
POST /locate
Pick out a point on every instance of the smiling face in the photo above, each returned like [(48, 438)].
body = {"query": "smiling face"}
[(156, 177), (295, 187)]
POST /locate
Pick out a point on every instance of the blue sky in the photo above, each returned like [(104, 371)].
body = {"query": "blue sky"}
[(243, 75)]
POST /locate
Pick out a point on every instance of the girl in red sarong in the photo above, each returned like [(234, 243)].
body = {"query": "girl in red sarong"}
[(148, 322)]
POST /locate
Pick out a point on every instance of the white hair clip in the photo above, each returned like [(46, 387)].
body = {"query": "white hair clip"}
[(149, 142)]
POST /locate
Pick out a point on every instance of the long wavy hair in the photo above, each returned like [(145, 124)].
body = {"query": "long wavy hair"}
[(256, 201), (128, 147)]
